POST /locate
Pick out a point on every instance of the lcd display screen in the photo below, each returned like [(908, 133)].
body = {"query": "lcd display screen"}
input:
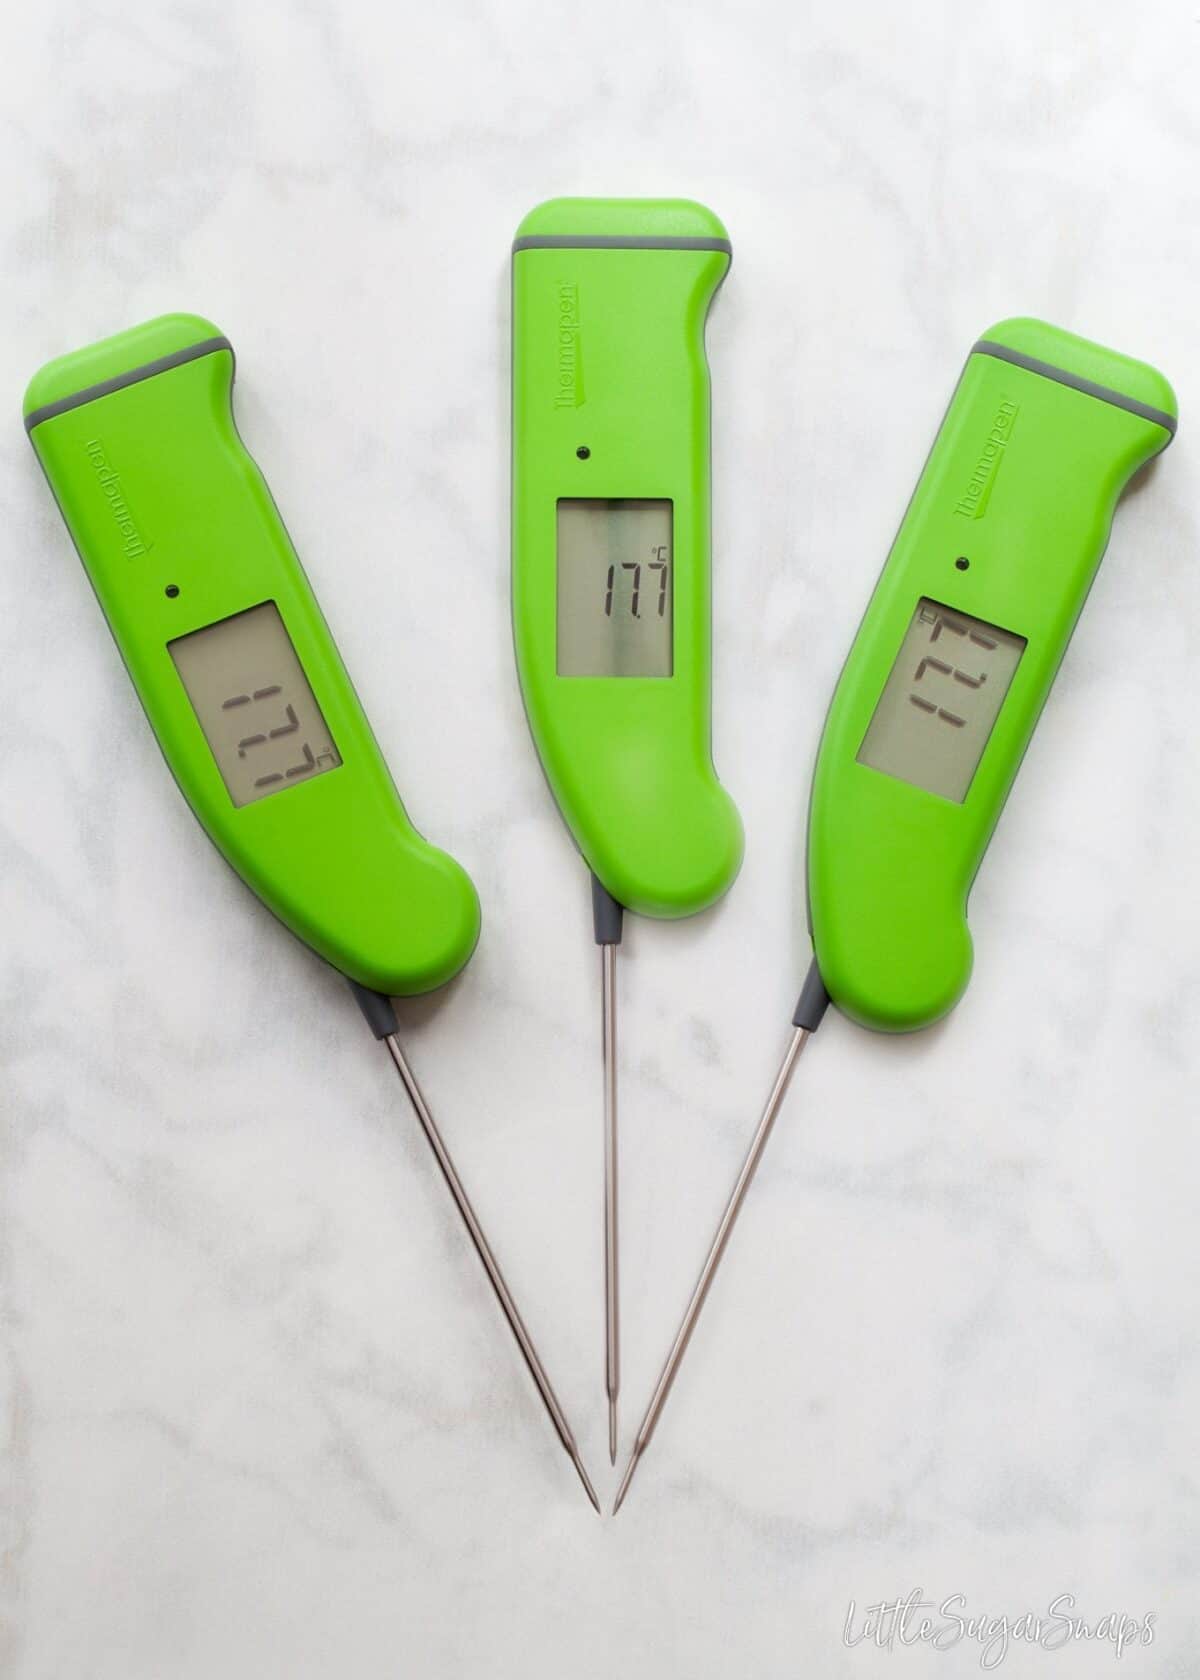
[(941, 700), (253, 702), (615, 589)]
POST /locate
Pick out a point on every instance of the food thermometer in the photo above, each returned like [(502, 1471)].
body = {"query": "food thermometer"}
[(244, 687), (611, 585), (943, 686)]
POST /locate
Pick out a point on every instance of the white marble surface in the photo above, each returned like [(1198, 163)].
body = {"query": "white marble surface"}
[(259, 1415)]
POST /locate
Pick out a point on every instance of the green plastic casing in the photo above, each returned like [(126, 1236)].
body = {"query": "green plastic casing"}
[(137, 439), (1042, 435), (610, 298)]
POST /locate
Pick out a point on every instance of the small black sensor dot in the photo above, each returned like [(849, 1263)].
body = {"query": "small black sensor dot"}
[(171, 591), (962, 562), (583, 452)]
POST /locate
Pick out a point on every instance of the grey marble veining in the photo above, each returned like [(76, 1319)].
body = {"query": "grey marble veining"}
[(258, 1413)]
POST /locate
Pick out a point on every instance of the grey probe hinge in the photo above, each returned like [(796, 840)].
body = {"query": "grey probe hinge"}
[(608, 917), (377, 1010), (813, 1001)]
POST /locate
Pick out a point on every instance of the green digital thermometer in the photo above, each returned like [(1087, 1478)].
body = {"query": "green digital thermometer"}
[(241, 681), (611, 586), (956, 655), (944, 683), (231, 658)]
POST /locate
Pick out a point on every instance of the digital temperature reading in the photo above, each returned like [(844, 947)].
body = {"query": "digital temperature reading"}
[(254, 704), (615, 589), (941, 699)]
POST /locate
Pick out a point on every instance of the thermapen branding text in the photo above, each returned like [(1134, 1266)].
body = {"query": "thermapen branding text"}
[(133, 542), (974, 503), (568, 391)]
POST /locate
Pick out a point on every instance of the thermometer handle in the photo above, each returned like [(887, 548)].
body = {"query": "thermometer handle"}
[(611, 411), (179, 535), (998, 548)]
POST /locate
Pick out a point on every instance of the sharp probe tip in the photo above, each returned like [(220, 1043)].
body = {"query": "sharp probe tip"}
[(612, 1431), (587, 1486), (625, 1480)]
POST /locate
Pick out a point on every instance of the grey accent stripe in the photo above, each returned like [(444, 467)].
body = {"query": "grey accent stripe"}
[(617, 242), (987, 347), (119, 381)]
